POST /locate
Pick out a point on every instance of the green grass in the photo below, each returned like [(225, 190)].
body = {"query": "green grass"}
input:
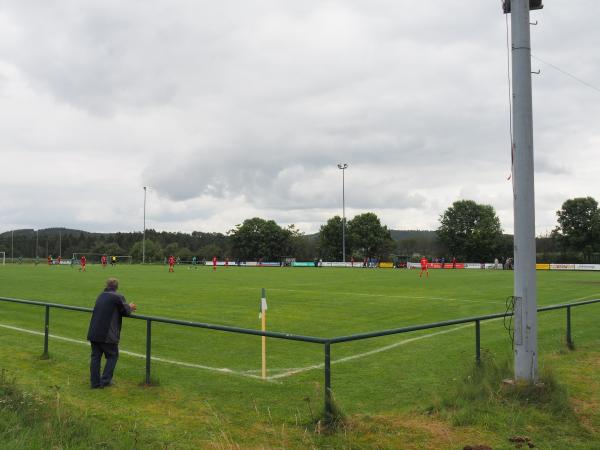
[(412, 395)]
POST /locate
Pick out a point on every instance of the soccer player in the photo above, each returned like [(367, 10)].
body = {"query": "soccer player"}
[(171, 264), (454, 262), (49, 260), (82, 261), (424, 267), (58, 260), (226, 262), (103, 261), (214, 263), (113, 260)]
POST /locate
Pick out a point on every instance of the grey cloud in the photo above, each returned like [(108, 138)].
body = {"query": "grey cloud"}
[(543, 165), (250, 105)]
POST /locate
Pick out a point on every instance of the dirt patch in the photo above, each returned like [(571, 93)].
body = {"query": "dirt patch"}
[(415, 432)]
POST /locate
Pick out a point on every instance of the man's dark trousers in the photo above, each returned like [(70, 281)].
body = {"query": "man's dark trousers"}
[(111, 352)]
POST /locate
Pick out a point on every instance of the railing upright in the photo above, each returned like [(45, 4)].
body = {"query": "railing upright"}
[(569, 338), (328, 397), (46, 331), (148, 349), (478, 341)]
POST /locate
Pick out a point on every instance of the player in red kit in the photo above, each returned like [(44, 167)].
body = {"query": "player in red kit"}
[(82, 261), (103, 261), (214, 263), (424, 267), (226, 262), (171, 264)]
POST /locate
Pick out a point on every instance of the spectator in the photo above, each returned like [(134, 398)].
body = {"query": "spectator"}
[(105, 331)]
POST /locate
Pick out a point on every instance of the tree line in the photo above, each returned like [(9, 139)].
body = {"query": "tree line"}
[(467, 230)]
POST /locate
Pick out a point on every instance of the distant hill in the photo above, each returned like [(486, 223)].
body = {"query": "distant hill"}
[(397, 235)]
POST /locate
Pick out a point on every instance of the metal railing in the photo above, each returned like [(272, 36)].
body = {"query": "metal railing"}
[(326, 342)]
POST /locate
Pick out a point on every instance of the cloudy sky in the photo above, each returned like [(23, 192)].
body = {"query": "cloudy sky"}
[(233, 109)]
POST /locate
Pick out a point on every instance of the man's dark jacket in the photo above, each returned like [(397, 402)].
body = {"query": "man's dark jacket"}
[(105, 325)]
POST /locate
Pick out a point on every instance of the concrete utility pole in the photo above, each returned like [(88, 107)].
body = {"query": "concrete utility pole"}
[(144, 235), (525, 290)]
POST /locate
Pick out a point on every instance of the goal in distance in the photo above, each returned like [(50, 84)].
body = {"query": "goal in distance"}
[(95, 258)]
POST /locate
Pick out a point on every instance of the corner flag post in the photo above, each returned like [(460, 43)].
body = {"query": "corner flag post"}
[(263, 316)]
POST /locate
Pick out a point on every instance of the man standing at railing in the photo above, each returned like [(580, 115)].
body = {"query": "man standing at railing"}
[(105, 331)]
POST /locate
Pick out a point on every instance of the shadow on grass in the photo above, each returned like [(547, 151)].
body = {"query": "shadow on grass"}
[(327, 422)]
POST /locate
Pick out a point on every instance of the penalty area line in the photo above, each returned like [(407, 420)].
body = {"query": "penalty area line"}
[(406, 297), (139, 355)]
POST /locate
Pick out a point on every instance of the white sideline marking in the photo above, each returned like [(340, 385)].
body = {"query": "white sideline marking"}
[(138, 355)]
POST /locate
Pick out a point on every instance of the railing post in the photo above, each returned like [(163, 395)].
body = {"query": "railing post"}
[(46, 331), (328, 399), (478, 342), (148, 349), (569, 338)]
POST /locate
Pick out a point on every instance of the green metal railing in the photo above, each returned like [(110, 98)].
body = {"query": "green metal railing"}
[(326, 342)]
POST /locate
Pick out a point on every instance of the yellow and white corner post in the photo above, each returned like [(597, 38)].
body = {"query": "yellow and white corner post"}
[(263, 316)]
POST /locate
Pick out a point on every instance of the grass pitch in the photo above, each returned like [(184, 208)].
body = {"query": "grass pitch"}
[(208, 393)]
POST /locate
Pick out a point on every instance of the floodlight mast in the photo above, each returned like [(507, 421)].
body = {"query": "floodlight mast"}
[(343, 168), (525, 290), (144, 234)]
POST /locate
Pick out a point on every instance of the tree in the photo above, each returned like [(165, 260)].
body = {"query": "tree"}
[(330, 240), (208, 251), (470, 231), (259, 238), (154, 251), (578, 224), (368, 237), (171, 249), (111, 248)]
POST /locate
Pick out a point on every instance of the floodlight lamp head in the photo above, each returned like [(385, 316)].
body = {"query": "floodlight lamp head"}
[(342, 166), (533, 4)]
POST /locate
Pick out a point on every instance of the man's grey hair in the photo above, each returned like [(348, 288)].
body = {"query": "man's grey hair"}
[(112, 284)]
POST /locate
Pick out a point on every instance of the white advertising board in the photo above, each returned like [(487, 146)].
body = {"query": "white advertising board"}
[(562, 266), (587, 266)]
